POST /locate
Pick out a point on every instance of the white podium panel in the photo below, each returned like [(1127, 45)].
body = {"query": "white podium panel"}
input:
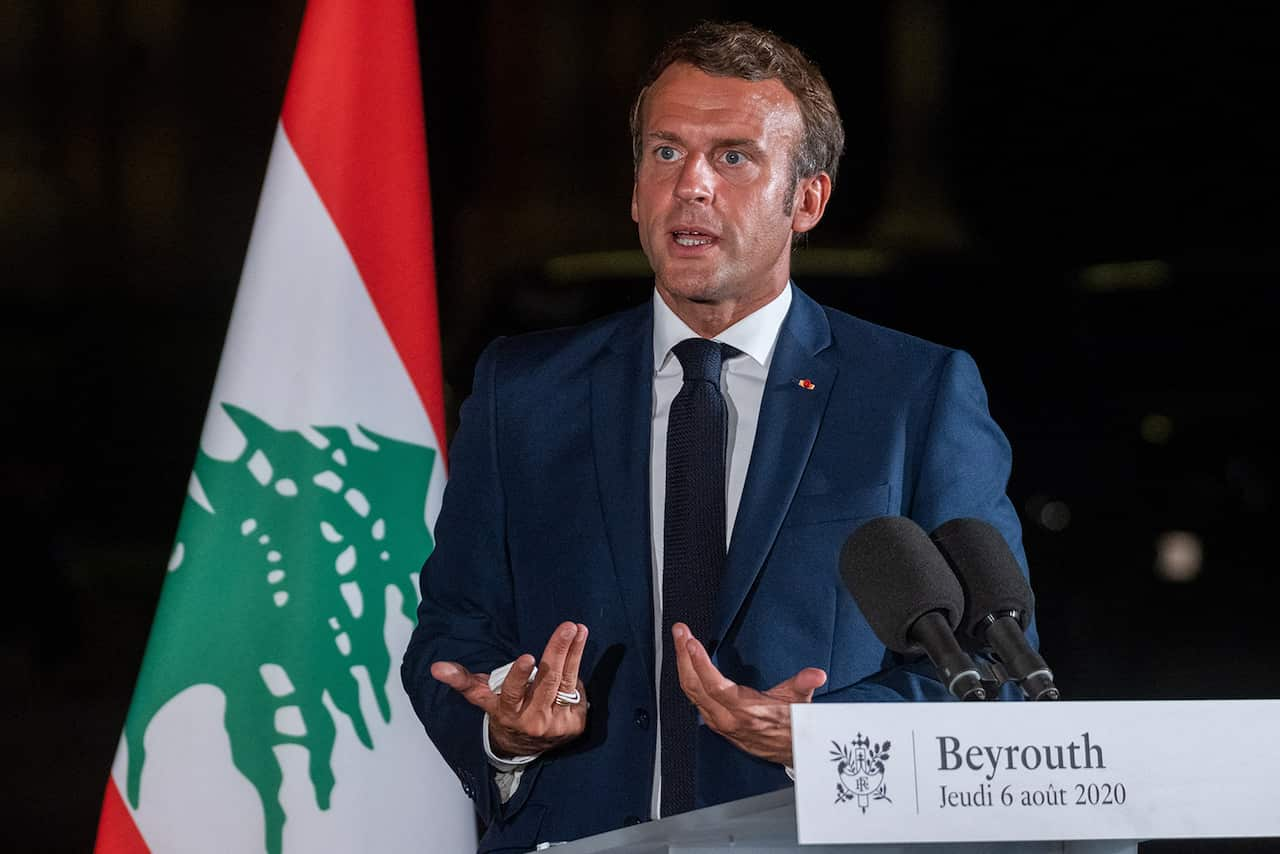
[(987, 772), (766, 824)]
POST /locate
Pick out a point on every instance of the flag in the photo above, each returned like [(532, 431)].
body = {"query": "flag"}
[(268, 713)]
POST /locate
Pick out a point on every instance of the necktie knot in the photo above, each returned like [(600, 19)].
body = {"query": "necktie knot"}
[(701, 358)]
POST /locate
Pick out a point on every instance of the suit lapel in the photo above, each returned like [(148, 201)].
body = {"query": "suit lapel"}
[(790, 414), (621, 418)]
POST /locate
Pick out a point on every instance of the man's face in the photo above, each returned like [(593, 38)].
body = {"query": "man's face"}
[(713, 188)]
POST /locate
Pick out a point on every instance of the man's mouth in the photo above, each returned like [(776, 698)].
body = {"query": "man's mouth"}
[(690, 237)]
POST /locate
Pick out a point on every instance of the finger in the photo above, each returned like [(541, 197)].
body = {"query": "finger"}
[(695, 687), (551, 668), (708, 674), (515, 686), (569, 678), (685, 674), (452, 674), (704, 685), (474, 687), (799, 688)]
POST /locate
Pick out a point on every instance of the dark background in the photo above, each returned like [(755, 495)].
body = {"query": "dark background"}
[(1082, 198)]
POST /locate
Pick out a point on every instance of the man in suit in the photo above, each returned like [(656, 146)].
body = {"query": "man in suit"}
[(565, 527)]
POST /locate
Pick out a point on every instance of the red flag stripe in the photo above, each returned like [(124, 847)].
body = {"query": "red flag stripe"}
[(117, 833), (353, 113)]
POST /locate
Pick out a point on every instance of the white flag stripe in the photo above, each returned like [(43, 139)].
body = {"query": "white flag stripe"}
[(305, 345)]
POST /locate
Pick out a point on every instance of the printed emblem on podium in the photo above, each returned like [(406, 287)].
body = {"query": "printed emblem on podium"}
[(860, 769)]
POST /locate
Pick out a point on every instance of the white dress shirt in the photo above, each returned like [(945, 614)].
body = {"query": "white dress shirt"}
[(742, 381)]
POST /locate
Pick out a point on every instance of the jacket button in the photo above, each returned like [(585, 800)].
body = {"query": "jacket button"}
[(642, 719), (630, 820)]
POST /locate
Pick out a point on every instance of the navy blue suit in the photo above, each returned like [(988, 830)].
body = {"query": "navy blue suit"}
[(546, 518)]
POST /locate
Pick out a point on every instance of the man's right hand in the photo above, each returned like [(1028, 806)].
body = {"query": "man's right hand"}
[(524, 719)]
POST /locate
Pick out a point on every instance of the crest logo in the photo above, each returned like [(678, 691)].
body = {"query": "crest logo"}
[(860, 766)]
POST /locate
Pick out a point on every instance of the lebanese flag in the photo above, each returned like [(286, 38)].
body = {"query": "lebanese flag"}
[(268, 713)]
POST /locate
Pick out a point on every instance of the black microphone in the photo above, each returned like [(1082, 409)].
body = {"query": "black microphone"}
[(910, 598), (998, 600)]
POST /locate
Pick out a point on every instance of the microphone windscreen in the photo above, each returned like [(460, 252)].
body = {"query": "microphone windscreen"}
[(989, 574), (896, 575)]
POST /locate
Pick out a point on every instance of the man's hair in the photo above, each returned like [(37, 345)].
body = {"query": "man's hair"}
[(750, 53)]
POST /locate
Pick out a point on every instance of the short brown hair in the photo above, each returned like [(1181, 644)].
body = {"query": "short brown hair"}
[(748, 52)]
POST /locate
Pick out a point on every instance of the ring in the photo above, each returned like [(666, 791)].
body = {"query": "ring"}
[(564, 698)]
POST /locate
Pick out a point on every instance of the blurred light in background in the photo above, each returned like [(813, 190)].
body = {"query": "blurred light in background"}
[(590, 266), (1156, 429), (1125, 276), (1055, 515), (1179, 557), (855, 263), (1048, 513)]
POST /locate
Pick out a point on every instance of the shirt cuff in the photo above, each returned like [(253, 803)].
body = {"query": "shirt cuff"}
[(506, 772), (511, 763)]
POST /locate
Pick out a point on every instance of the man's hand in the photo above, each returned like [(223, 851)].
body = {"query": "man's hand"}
[(759, 723), (524, 719)]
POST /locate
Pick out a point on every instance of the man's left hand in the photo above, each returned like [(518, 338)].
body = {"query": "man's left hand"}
[(757, 722)]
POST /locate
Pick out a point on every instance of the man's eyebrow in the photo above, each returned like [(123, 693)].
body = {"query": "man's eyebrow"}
[(738, 142), (663, 136), (725, 142)]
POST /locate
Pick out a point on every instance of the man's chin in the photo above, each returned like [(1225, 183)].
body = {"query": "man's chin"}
[(701, 290)]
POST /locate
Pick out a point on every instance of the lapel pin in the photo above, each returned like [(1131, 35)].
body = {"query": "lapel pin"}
[(807, 385)]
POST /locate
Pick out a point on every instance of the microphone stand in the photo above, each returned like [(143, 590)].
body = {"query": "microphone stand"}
[(993, 674)]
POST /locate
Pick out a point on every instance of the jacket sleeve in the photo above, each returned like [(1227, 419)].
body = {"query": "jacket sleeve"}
[(961, 470), (467, 613)]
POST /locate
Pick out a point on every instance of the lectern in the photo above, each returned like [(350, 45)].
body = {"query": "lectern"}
[(766, 824), (938, 778)]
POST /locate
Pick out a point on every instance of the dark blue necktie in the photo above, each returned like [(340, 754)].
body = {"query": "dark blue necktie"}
[(693, 554)]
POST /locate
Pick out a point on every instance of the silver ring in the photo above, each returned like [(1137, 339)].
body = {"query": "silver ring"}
[(564, 698)]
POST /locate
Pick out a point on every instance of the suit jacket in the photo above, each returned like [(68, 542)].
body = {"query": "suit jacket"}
[(546, 518)]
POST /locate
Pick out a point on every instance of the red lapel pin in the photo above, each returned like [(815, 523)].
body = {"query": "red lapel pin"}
[(807, 385)]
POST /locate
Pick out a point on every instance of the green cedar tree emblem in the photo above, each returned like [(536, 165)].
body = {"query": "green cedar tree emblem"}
[(278, 593)]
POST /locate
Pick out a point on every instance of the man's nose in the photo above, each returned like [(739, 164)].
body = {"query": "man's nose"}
[(696, 182)]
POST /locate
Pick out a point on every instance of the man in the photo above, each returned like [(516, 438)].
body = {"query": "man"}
[(578, 521)]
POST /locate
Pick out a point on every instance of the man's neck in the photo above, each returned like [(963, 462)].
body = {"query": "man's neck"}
[(709, 319)]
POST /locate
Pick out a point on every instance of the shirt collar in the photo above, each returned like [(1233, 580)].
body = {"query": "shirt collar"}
[(755, 335)]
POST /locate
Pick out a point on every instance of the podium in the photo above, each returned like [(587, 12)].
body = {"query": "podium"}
[(964, 778), (766, 824)]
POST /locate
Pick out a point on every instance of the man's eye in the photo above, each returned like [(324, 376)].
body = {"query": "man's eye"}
[(666, 152), (733, 158)]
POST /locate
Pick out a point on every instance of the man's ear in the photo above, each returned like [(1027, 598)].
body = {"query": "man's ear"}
[(811, 199), (635, 210)]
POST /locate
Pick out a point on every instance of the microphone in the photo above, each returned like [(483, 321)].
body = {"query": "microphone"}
[(910, 598), (998, 600)]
